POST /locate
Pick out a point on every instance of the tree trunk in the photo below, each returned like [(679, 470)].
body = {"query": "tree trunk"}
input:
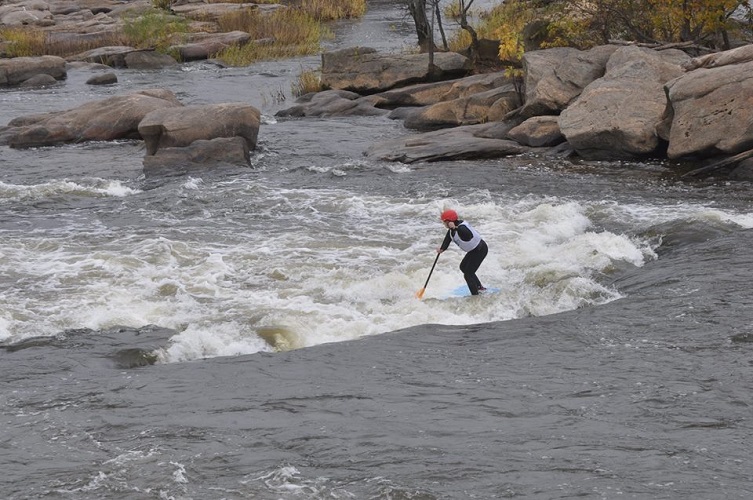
[(438, 13), (464, 8), (417, 9)]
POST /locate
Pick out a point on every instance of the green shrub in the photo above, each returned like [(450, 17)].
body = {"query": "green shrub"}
[(153, 30)]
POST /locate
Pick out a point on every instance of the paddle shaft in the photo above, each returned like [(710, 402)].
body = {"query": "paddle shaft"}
[(421, 292)]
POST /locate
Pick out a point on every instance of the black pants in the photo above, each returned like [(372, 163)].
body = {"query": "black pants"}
[(470, 264)]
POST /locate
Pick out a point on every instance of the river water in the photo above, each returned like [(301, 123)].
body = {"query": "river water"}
[(292, 357)]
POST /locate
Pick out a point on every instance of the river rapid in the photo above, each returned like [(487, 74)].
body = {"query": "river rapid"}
[(291, 356)]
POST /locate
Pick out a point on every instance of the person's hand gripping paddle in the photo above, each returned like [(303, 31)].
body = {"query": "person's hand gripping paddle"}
[(420, 293)]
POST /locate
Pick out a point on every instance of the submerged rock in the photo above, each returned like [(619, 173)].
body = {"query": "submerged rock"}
[(487, 140)]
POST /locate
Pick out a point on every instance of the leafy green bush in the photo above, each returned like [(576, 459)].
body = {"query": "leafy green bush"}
[(154, 29)]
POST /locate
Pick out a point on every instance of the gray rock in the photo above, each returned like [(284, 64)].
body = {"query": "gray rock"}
[(198, 155), (743, 171), (113, 56), (103, 79), (200, 46), (213, 11), (738, 55), (19, 69), (459, 143), (180, 127), (425, 94), (538, 131), (365, 71), (43, 80), (468, 110), (555, 77), (29, 12), (616, 116), (81, 65), (105, 120), (148, 59), (710, 111), (332, 103)]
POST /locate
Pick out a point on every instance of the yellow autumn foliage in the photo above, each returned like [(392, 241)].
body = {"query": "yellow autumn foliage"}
[(690, 20), (585, 23)]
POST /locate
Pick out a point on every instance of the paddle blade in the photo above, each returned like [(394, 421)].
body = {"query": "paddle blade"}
[(420, 293)]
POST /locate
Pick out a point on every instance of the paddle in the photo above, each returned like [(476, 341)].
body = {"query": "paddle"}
[(420, 293)]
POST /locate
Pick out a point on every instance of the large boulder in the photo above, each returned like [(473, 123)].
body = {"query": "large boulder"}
[(616, 116), (710, 110), (482, 141), (149, 59), (27, 12), (738, 55), (555, 77), (200, 46), (743, 171), (214, 11), (365, 71), (346, 103), (538, 131), (198, 155), (102, 79), (19, 69), (425, 94), (180, 127), (332, 103), (113, 56), (105, 120), (39, 81), (467, 110), (123, 56)]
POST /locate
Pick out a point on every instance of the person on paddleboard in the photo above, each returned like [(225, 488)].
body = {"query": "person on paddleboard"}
[(470, 241)]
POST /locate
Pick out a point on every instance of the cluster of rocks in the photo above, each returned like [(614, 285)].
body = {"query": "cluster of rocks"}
[(96, 23), (610, 102), (176, 136)]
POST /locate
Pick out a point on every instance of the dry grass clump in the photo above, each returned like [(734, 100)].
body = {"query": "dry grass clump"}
[(32, 42), (23, 42), (294, 29), (332, 10), (291, 31), (308, 81), (286, 32), (242, 2), (154, 29)]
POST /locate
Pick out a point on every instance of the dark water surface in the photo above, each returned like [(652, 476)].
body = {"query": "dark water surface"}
[(253, 332)]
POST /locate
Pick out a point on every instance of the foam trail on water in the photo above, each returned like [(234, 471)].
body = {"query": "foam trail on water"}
[(92, 188), (326, 266)]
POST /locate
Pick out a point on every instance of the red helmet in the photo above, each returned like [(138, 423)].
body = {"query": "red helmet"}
[(449, 215)]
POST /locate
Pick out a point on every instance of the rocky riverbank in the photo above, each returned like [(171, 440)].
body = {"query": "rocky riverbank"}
[(606, 103), (609, 102)]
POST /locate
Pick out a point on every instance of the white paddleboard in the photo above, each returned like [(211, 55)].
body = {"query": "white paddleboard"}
[(462, 291)]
